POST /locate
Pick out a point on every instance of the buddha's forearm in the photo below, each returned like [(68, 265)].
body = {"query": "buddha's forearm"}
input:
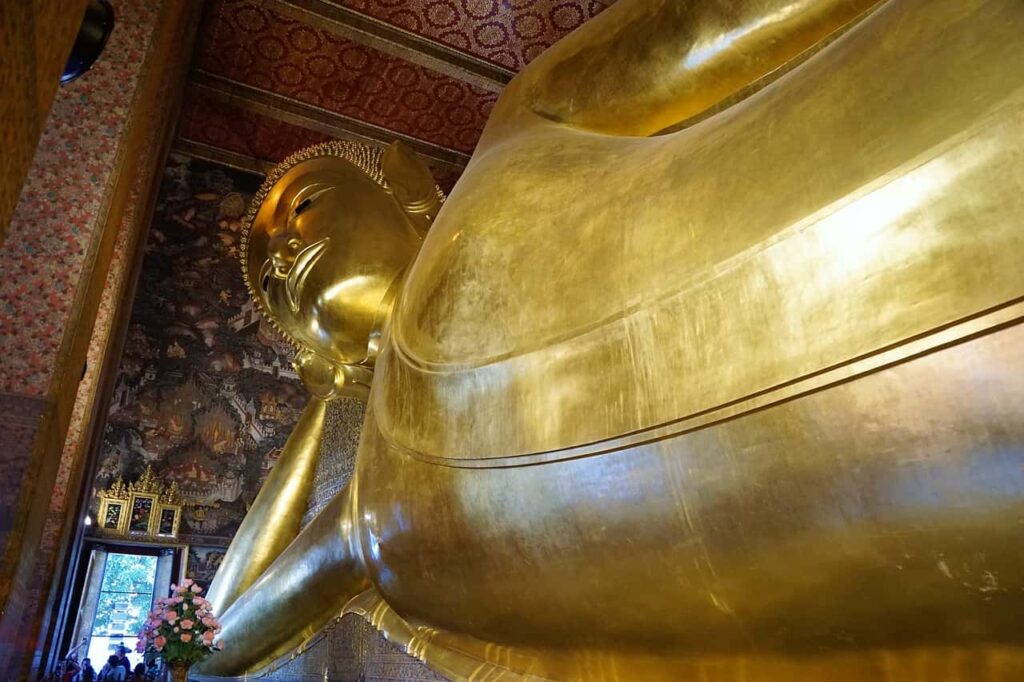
[(300, 592), (275, 517), (645, 65)]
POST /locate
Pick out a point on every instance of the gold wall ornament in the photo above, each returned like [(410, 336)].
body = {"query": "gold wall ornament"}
[(113, 510), (147, 483), (740, 401), (145, 509)]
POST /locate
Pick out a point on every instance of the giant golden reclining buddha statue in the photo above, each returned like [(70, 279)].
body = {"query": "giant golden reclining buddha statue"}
[(711, 366)]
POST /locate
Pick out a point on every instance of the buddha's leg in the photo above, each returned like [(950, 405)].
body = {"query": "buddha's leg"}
[(275, 517), (306, 586), (644, 65)]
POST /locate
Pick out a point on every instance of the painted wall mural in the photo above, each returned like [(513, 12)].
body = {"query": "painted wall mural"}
[(203, 563), (205, 392)]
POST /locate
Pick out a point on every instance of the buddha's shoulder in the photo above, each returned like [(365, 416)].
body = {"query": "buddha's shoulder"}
[(580, 287)]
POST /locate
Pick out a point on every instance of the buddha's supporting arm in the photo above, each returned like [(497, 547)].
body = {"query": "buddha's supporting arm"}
[(275, 517), (646, 65), (300, 592), (276, 514)]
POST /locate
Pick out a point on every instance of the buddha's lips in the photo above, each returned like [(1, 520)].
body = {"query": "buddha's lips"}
[(304, 262)]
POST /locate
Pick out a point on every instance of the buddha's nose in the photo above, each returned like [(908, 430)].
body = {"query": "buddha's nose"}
[(282, 251)]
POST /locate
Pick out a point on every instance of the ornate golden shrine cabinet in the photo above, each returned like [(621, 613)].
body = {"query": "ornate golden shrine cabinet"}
[(710, 367), (144, 509)]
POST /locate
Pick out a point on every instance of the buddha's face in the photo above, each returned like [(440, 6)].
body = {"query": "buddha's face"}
[(326, 246)]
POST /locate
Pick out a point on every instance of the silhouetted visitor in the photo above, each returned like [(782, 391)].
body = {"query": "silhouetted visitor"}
[(113, 671), (122, 660), (86, 673)]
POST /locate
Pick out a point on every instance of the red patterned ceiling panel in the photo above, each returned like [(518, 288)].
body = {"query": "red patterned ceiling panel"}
[(250, 44), (239, 130), (509, 33)]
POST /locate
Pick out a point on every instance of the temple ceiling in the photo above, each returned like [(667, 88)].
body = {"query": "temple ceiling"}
[(272, 76)]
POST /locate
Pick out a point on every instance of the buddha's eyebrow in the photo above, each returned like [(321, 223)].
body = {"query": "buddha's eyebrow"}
[(305, 203)]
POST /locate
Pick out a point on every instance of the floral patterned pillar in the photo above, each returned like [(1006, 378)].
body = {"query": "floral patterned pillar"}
[(78, 216)]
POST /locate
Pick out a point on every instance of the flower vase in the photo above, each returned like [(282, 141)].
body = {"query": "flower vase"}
[(177, 671)]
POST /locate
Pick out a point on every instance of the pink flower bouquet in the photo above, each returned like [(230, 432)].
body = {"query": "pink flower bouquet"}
[(181, 628)]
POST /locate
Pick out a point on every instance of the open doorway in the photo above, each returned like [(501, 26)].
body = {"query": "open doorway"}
[(125, 596), (121, 583)]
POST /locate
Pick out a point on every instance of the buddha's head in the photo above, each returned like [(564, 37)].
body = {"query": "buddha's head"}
[(327, 240)]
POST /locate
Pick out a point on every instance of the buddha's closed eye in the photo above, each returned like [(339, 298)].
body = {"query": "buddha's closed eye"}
[(285, 248)]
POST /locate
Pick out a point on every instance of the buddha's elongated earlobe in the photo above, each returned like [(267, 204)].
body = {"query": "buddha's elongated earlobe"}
[(410, 182)]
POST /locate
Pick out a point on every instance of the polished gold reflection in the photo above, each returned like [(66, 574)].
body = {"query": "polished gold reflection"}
[(709, 367)]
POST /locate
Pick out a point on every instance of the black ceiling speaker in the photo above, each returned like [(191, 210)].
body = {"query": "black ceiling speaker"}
[(92, 38)]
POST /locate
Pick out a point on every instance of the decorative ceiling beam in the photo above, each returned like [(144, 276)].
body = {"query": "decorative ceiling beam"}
[(397, 42), (222, 157), (308, 116)]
